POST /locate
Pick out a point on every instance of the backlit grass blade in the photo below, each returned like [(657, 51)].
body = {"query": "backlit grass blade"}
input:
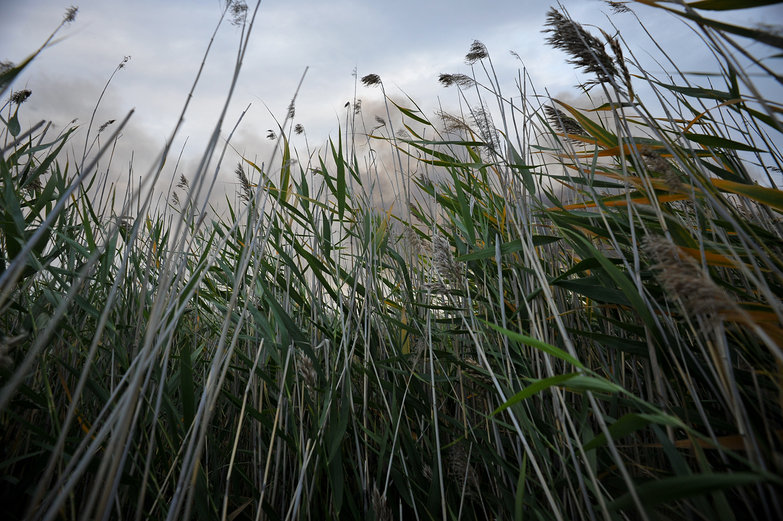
[(770, 197), (537, 344)]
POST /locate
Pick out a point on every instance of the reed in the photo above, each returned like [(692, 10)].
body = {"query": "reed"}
[(576, 316)]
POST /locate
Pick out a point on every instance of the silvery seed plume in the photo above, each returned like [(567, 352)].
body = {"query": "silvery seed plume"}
[(684, 279), (452, 123), (444, 261)]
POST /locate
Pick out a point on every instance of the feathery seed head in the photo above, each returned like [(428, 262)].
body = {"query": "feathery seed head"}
[(307, 371), (412, 239), (34, 186), (298, 129), (618, 7), (478, 51), (105, 125), (486, 127), (460, 80), (371, 79), (614, 44), (20, 96), (443, 259), (238, 12), (586, 51), (70, 14), (244, 183), (379, 505), (683, 278), (562, 122), (656, 163), (452, 123)]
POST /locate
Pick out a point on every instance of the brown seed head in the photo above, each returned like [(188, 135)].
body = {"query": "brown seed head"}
[(586, 51), (380, 506), (618, 7), (444, 261), (460, 80), (486, 127), (238, 12), (70, 14), (562, 122), (244, 183), (20, 96), (371, 79), (307, 371), (105, 125), (658, 164), (478, 51), (614, 44)]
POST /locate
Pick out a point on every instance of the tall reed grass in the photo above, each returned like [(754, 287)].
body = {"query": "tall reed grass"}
[(574, 313)]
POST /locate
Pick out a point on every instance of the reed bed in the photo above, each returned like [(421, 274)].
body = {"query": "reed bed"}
[(568, 313)]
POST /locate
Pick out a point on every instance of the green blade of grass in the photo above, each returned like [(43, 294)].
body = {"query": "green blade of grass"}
[(538, 344), (667, 490)]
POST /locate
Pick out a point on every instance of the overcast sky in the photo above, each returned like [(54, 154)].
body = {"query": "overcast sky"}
[(408, 43)]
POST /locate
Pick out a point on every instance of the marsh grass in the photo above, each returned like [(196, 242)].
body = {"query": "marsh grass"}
[(579, 317)]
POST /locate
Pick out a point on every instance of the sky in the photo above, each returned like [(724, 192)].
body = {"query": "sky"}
[(408, 43)]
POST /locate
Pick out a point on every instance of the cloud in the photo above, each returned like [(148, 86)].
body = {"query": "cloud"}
[(408, 44)]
